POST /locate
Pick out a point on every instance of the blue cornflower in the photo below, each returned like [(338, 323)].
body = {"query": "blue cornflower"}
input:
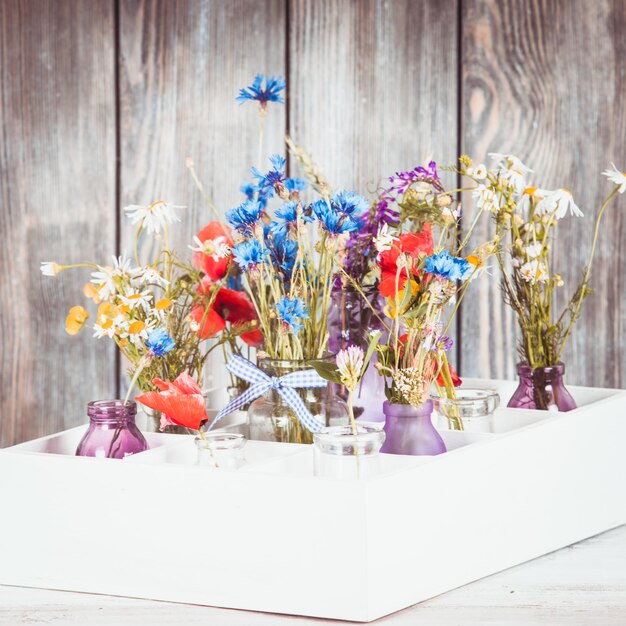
[(283, 253), (447, 266), (291, 311), (159, 342), (273, 85), (295, 184), (248, 254), (343, 213), (267, 182), (285, 217), (248, 190), (244, 217), (350, 203)]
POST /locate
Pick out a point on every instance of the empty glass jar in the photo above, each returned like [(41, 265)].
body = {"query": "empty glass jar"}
[(471, 410), (112, 431), (221, 450), (339, 453)]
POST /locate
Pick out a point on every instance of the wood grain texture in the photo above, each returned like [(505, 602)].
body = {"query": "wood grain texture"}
[(373, 86), (583, 585), (545, 80), (181, 67), (57, 155)]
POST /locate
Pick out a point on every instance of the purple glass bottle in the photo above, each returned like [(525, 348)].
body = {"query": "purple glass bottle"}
[(541, 388), (410, 430), (350, 320), (112, 432)]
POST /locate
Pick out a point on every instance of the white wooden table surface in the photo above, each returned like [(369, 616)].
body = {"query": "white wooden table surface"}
[(583, 585)]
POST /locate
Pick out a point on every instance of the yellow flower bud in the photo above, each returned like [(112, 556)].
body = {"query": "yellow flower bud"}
[(76, 320)]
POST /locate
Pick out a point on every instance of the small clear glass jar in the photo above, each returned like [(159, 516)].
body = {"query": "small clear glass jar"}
[(112, 431), (472, 410), (339, 453), (221, 450), (272, 419)]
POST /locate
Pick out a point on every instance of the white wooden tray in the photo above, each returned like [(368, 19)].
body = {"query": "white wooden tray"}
[(272, 537)]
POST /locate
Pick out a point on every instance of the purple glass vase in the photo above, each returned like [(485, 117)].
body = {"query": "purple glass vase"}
[(541, 388), (112, 431), (410, 430), (350, 320)]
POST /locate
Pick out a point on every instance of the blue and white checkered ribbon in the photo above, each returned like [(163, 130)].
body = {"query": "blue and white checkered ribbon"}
[(286, 386)]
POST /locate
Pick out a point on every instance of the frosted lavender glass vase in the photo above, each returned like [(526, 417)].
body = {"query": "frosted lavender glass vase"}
[(410, 430), (541, 388), (112, 431)]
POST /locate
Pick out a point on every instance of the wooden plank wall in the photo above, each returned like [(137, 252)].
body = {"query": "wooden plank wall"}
[(102, 101), (57, 194)]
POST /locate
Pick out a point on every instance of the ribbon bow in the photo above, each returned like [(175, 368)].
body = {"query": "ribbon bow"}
[(285, 386)]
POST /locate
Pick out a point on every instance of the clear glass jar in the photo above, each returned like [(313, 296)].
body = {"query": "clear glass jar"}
[(221, 450), (541, 388), (112, 431), (339, 453), (271, 419), (471, 410)]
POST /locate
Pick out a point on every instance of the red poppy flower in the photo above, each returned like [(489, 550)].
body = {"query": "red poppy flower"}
[(228, 306), (180, 402), (456, 380), (215, 237), (210, 323), (413, 244)]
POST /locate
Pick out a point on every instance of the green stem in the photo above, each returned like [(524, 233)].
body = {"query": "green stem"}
[(583, 283)]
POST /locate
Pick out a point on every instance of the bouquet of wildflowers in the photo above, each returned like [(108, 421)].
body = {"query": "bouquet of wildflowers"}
[(423, 272), (160, 313), (526, 220), (288, 257)]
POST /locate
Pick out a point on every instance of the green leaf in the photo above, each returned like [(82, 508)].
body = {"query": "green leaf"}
[(328, 371), (374, 339)]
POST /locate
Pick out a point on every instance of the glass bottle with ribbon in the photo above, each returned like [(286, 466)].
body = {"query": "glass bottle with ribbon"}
[(290, 400)]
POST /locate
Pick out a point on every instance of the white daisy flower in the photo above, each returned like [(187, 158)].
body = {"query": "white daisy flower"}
[(509, 162), (486, 198), (511, 169), (150, 276), (530, 193), (135, 298), (50, 268), (533, 250), (104, 280), (107, 327), (558, 202), (137, 331), (615, 176), (155, 216), (477, 173), (533, 272), (384, 239), (105, 277), (217, 248)]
